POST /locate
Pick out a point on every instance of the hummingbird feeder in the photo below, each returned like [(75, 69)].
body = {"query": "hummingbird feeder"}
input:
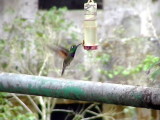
[(90, 26)]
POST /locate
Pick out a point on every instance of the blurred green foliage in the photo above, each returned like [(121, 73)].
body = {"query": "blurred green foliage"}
[(26, 43), (103, 58), (10, 112), (154, 69), (148, 63), (24, 50)]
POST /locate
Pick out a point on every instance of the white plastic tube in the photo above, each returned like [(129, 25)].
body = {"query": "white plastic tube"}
[(90, 26)]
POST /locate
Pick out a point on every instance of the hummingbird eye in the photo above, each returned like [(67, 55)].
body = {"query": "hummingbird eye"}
[(73, 46)]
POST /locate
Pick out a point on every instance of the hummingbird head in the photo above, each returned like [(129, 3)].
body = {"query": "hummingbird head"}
[(73, 49)]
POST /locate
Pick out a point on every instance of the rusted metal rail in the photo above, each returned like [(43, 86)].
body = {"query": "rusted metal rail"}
[(81, 90)]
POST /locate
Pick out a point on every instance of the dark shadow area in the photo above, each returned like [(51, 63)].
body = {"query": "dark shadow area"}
[(76, 108), (70, 4)]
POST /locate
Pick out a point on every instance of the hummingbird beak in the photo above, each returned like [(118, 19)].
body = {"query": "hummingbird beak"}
[(79, 44)]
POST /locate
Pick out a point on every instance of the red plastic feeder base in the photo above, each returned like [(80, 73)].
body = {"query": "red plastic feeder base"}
[(91, 47)]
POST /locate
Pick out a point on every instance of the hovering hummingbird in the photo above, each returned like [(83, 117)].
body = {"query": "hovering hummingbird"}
[(66, 54)]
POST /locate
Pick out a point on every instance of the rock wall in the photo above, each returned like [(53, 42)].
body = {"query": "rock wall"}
[(137, 17), (11, 9)]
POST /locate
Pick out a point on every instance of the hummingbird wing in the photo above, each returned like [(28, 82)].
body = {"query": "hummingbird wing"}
[(61, 51)]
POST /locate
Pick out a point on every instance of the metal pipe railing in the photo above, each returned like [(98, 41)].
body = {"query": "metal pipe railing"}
[(81, 90)]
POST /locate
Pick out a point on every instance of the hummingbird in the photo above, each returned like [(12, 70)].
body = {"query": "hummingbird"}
[(66, 54)]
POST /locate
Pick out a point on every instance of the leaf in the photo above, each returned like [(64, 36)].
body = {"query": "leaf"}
[(155, 74), (110, 75), (154, 64)]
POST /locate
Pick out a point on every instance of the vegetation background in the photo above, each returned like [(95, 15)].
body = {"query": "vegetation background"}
[(128, 52)]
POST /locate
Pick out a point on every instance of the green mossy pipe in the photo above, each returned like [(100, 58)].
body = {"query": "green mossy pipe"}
[(81, 90)]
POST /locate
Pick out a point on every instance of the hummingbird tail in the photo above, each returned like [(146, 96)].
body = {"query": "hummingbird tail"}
[(63, 70)]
